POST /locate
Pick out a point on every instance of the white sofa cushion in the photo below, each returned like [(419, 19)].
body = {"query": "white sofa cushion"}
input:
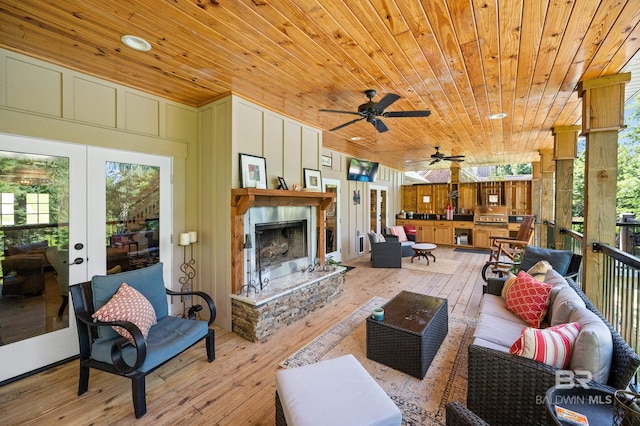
[(497, 330), (594, 347), (565, 302)]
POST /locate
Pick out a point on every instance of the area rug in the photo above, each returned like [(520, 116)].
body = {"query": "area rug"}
[(440, 266), (422, 402), (471, 250)]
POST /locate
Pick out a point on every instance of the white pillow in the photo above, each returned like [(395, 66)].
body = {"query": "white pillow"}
[(593, 349)]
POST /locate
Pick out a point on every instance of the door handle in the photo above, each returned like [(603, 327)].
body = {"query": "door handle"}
[(77, 261)]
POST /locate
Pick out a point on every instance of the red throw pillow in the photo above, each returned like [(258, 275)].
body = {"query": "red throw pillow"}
[(529, 299), (128, 304), (551, 345)]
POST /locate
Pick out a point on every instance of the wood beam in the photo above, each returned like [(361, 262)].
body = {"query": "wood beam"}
[(565, 152), (547, 171), (602, 118)]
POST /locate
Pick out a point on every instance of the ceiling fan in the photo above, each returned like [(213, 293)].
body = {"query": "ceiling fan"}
[(371, 111), (438, 156)]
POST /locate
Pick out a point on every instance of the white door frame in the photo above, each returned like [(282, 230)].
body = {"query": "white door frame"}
[(97, 157), (376, 226), (31, 354), (87, 211), (336, 255)]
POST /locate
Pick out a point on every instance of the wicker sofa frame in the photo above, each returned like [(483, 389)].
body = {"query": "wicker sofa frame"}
[(505, 388)]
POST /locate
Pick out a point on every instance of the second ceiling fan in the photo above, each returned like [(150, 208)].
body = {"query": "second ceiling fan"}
[(438, 156), (372, 111)]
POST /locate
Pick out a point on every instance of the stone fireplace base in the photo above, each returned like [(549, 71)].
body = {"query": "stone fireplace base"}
[(284, 301)]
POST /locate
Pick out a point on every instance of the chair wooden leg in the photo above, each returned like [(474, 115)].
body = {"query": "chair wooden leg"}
[(211, 345), (138, 389), (65, 301), (83, 381)]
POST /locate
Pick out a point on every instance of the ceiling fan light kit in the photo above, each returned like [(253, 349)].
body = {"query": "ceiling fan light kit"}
[(371, 111)]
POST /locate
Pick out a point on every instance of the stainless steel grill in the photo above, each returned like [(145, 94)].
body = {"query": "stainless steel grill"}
[(494, 216)]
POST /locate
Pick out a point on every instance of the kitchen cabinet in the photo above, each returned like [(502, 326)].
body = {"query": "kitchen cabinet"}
[(443, 233), (409, 198), (464, 232), (481, 235), (424, 233)]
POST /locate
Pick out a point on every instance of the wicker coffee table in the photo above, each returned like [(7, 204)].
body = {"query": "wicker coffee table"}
[(409, 336)]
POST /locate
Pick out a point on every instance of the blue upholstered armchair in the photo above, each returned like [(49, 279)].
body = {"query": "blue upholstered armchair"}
[(104, 349)]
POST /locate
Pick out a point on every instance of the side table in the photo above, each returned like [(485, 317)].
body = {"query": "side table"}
[(409, 336), (596, 403)]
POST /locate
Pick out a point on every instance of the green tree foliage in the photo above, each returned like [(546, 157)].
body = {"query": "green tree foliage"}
[(628, 186)]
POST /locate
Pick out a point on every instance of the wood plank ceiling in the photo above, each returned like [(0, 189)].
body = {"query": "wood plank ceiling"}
[(462, 59)]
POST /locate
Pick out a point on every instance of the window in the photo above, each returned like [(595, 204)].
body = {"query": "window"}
[(7, 209), (37, 208)]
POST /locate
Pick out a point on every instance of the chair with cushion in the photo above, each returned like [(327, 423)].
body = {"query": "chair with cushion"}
[(385, 254), (565, 262), (124, 327), (60, 263), (396, 233), (23, 275)]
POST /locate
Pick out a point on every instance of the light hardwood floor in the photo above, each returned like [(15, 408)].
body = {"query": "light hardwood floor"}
[(237, 388)]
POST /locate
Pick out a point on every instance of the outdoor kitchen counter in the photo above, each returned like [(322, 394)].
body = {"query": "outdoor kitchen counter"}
[(444, 232)]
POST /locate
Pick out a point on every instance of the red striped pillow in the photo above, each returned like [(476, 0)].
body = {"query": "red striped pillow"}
[(551, 345)]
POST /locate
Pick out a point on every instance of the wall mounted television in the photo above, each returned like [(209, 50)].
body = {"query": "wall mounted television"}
[(362, 170)]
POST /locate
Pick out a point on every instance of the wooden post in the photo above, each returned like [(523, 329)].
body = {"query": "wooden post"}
[(565, 153), (602, 118), (547, 170), (536, 198)]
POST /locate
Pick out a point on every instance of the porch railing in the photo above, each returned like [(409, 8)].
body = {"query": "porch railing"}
[(620, 281), (621, 296)]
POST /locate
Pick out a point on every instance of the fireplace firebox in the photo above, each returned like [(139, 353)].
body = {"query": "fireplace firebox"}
[(281, 242)]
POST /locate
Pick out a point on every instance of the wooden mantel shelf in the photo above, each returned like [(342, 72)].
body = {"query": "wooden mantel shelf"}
[(245, 198)]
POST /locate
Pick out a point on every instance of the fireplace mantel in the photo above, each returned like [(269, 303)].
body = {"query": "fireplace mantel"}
[(245, 198)]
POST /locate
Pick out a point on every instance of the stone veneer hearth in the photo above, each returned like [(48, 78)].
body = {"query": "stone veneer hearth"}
[(284, 301)]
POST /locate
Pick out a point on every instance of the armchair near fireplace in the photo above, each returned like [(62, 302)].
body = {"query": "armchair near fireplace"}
[(385, 254)]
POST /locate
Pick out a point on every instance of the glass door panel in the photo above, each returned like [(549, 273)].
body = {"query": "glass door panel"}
[(332, 220), (41, 213), (133, 217)]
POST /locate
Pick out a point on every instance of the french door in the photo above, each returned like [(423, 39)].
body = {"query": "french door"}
[(332, 220), (378, 200), (57, 206)]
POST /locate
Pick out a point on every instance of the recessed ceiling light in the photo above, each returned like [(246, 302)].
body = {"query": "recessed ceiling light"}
[(136, 43), (498, 116), (355, 138)]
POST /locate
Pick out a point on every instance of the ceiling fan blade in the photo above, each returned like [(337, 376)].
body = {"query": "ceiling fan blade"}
[(434, 161), (453, 157), (379, 125), (339, 111), (423, 113), (456, 160), (387, 100), (346, 124)]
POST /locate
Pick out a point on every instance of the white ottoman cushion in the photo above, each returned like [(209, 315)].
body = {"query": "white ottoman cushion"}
[(334, 392)]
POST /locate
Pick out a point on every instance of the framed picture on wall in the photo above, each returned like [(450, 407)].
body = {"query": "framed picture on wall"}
[(253, 171), (312, 180), (326, 161)]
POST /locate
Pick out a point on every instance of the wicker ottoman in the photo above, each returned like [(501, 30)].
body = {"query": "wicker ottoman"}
[(411, 333), (334, 392)]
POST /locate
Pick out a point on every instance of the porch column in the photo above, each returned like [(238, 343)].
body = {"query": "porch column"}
[(536, 198), (547, 170), (565, 153), (602, 118)]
